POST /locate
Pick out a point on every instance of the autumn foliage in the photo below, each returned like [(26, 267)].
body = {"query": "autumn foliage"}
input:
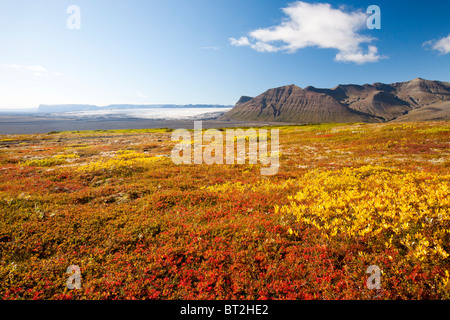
[(346, 196)]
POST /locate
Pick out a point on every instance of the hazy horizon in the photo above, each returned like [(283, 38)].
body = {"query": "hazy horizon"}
[(199, 52)]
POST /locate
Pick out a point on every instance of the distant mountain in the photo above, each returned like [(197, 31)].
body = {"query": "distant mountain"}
[(87, 107), (414, 100)]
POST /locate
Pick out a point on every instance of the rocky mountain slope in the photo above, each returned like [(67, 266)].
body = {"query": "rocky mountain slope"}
[(415, 100)]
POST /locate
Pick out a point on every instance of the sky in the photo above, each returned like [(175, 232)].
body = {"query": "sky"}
[(210, 51)]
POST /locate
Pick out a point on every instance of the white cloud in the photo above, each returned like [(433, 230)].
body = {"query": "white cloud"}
[(315, 25), (141, 95), (242, 41), (35, 70), (359, 57), (442, 45), (259, 46), (215, 48)]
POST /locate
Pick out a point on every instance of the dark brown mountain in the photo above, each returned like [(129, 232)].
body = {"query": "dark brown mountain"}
[(243, 99), (414, 100)]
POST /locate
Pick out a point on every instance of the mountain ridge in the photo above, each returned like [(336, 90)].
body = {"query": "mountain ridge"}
[(377, 102)]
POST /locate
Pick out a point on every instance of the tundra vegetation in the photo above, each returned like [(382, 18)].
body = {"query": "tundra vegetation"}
[(346, 196)]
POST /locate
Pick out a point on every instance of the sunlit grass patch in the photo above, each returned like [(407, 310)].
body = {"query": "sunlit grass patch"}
[(66, 156), (45, 162), (434, 130), (115, 131), (262, 185), (126, 162), (50, 161)]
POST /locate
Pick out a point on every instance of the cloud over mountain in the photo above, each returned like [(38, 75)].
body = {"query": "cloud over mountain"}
[(441, 45)]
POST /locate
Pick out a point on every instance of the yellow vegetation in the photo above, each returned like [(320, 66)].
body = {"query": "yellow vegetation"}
[(408, 208)]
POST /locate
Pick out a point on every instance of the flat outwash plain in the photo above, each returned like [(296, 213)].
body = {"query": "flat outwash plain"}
[(29, 124), (346, 196)]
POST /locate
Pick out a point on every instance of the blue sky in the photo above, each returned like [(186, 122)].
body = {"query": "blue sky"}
[(210, 51)]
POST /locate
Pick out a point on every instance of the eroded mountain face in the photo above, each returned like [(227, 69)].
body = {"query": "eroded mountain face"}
[(414, 100)]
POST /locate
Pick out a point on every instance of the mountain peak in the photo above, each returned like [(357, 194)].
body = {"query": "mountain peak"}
[(290, 86), (378, 102), (243, 99)]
